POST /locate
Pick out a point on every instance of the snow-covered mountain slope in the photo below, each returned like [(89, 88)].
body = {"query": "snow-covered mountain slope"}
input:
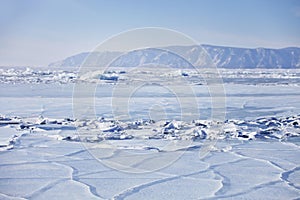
[(223, 57), (229, 57), (78, 59)]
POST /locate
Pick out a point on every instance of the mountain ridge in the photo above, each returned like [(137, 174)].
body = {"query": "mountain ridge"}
[(222, 57)]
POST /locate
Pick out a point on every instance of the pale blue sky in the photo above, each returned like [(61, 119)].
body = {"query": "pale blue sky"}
[(36, 32)]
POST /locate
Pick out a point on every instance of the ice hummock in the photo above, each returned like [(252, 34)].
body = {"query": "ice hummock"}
[(274, 128), (244, 76)]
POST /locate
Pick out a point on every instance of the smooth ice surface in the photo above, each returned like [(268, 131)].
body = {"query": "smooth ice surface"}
[(7, 133)]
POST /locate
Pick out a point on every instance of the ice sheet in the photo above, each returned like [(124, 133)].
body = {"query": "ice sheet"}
[(46, 159)]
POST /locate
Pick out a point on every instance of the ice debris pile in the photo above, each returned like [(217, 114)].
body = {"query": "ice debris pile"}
[(46, 76), (30, 75), (108, 129)]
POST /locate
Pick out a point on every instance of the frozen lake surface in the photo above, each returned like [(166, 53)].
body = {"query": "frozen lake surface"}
[(43, 157), (243, 101)]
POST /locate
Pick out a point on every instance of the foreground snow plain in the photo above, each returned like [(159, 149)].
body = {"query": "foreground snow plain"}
[(42, 156)]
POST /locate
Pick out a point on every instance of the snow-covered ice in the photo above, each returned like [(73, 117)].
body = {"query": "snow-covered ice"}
[(46, 153)]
